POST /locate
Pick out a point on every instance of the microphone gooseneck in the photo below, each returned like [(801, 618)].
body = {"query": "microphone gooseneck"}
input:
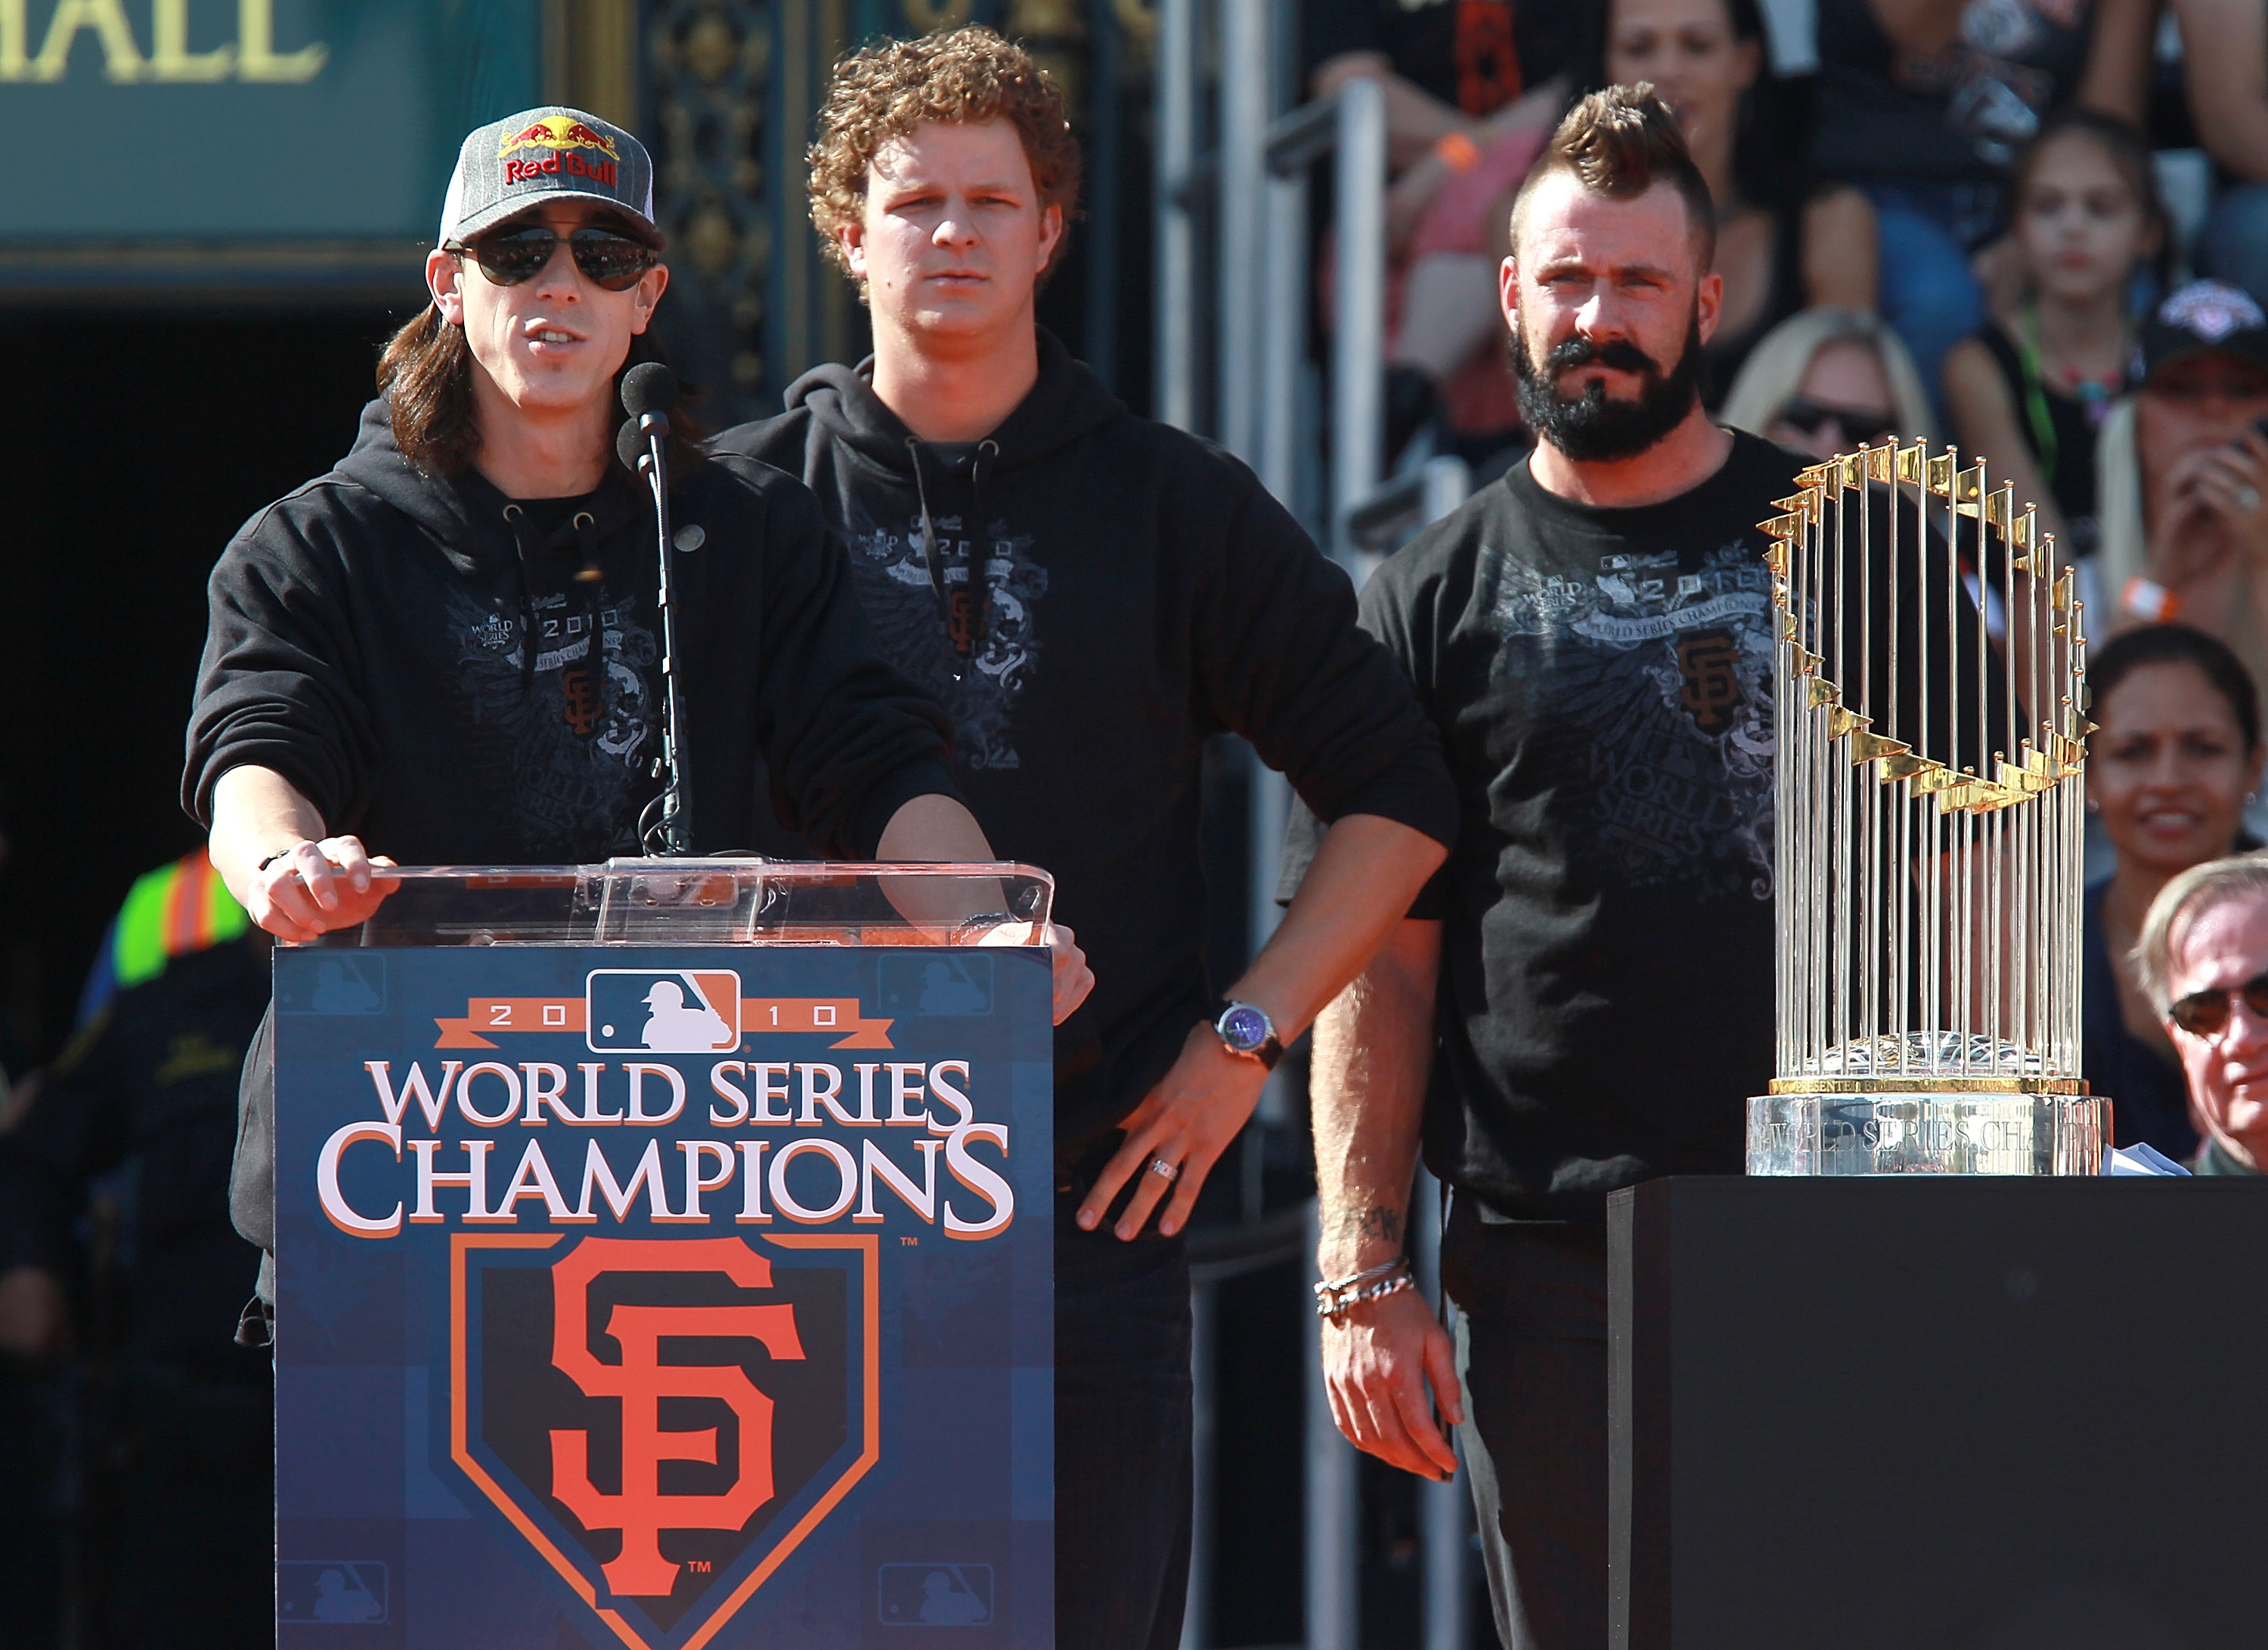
[(649, 395)]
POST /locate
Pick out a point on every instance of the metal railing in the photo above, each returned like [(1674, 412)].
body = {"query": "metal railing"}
[(1241, 212), (1350, 126)]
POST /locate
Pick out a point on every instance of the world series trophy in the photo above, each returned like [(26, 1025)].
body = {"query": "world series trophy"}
[(1930, 831)]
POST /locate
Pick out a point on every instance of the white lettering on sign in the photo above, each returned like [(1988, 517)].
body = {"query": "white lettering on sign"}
[(811, 1178)]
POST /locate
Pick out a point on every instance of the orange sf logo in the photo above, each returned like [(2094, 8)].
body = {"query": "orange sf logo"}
[(1710, 662), (555, 131), (641, 1381)]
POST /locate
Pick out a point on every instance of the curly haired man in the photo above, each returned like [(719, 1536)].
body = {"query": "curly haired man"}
[(1091, 595)]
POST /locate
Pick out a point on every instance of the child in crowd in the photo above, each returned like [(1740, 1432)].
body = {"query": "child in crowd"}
[(2029, 391)]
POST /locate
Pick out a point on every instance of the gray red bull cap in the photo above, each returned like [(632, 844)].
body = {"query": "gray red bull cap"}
[(547, 154)]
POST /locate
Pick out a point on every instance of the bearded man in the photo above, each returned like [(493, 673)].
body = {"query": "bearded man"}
[(1593, 635)]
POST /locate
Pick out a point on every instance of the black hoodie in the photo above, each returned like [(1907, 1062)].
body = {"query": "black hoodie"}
[(368, 642), (1143, 592)]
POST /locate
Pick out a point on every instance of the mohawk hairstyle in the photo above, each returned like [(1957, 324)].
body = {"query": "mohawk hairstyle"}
[(965, 75), (1620, 141)]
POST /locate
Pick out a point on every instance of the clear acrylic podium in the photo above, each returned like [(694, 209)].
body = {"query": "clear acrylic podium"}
[(738, 901), (664, 1258)]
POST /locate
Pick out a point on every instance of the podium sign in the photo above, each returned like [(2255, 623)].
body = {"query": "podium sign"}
[(665, 1295)]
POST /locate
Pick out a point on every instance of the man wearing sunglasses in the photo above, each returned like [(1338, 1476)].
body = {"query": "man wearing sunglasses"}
[(447, 647), (2203, 960)]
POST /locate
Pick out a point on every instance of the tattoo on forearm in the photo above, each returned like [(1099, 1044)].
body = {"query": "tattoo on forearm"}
[(1382, 1221)]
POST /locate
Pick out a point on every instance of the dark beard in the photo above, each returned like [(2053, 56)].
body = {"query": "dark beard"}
[(1592, 427)]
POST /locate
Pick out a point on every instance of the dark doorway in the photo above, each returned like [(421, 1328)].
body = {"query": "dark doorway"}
[(138, 444)]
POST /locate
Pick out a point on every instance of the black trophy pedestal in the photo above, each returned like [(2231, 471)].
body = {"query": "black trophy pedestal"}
[(1941, 1414)]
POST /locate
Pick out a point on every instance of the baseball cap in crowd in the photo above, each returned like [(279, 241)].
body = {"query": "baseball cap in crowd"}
[(553, 153), (2204, 315)]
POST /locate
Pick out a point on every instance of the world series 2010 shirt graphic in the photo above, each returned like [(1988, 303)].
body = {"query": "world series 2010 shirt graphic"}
[(664, 1297)]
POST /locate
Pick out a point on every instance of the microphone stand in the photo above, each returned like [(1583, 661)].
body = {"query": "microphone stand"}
[(651, 430)]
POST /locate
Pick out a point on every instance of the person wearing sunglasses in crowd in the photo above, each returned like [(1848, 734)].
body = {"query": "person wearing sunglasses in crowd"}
[(2204, 962), (1829, 380), (447, 648), (2175, 755)]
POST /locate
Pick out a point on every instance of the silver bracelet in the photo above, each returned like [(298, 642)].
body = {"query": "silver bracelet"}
[(1353, 1279), (1334, 1300), (1336, 1309)]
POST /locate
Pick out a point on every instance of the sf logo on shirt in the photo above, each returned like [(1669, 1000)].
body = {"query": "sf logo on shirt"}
[(1709, 660)]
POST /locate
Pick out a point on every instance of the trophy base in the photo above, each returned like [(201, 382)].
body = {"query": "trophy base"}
[(1929, 1133)]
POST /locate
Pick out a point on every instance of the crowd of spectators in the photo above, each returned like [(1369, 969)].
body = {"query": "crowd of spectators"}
[(2037, 228), (1983, 175)]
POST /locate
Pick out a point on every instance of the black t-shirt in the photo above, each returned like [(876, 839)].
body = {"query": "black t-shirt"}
[(1476, 55), (1956, 115), (1602, 682)]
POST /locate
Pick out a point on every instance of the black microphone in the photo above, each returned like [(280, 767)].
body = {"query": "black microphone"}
[(649, 393)]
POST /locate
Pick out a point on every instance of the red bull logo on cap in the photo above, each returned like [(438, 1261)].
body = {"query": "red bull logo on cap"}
[(563, 137)]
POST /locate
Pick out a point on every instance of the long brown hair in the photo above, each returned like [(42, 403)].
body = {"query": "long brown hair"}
[(426, 375)]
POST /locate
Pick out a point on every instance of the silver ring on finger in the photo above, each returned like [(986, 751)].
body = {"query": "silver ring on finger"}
[(1167, 1172), (2247, 499)]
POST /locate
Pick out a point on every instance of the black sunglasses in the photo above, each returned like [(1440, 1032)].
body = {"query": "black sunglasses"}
[(2206, 1013), (608, 258), (1864, 428)]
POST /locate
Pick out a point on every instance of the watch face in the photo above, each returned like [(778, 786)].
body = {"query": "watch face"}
[(1244, 1029)]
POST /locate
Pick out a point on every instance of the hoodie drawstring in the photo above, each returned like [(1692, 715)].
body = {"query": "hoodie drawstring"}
[(515, 519), (975, 584), (585, 528), (587, 539), (980, 583), (929, 531)]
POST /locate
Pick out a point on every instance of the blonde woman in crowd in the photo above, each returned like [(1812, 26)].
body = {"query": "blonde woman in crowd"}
[(1829, 380)]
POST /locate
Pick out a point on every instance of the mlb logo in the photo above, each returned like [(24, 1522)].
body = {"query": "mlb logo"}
[(643, 1011), (935, 1595)]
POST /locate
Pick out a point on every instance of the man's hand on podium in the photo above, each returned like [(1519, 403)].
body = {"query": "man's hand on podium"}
[(316, 887), (1378, 1362), (269, 846), (1073, 979)]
